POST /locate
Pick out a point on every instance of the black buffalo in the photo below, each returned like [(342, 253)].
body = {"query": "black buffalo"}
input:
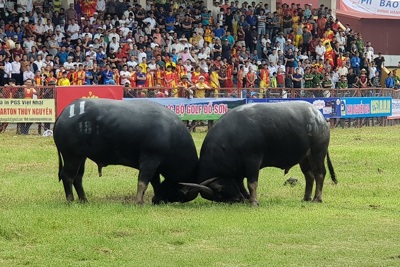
[(141, 134), (254, 136)]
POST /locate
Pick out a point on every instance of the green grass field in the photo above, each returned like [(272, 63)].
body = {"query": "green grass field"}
[(357, 225)]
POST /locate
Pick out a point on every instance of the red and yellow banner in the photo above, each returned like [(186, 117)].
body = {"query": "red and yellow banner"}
[(66, 94)]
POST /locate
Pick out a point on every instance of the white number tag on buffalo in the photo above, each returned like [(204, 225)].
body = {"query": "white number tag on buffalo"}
[(81, 109)]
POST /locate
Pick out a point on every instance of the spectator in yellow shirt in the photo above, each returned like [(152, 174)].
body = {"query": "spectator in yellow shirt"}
[(200, 88), (64, 81)]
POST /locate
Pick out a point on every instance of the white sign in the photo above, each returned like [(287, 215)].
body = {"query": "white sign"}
[(395, 109), (377, 7)]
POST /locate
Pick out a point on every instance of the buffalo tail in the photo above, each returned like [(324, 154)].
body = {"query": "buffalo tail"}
[(330, 167), (60, 165)]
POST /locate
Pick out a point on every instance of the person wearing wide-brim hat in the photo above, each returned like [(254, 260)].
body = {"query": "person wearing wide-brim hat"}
[(363, 79), (183, 87)]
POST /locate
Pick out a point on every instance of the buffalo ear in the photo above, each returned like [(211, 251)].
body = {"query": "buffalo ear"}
[(205, 191)]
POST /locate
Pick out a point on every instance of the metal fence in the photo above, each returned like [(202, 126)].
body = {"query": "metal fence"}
[(49, 92)]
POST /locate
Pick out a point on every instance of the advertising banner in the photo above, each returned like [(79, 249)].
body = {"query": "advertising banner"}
[(372, 7), (395, 109), (197, 108), (365, 107), (329, 107), (67, 94), (27, 110)]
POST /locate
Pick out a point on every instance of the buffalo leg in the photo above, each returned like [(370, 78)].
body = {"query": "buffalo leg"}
[(155, 182), (253, 168), (242, 189), (147, 171), (78, 183), (252, 184), (67, 175), (319, 174), (309, 176)]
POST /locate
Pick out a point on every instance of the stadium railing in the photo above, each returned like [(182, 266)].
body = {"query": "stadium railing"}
[(49, 92)]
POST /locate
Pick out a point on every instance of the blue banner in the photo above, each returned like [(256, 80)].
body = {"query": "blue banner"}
[(364, 107), (329, 107), (197, 108)]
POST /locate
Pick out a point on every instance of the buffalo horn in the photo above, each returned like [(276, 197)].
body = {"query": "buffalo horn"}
[(206, 182), (207, 192)]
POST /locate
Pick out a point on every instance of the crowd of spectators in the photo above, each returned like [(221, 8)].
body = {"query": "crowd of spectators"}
[(176, 45)]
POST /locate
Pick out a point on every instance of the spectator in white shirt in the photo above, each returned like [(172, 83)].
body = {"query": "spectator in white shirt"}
[(125, 75), (320, 51), (114, 44), (73, 31), (28, 74)]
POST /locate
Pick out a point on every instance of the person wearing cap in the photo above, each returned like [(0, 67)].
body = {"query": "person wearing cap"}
[(363, 80), (316, 81), (308, 80), (327, 84), (200, 87), (342, 84), (69, 64), (183, 87), (91, 53)]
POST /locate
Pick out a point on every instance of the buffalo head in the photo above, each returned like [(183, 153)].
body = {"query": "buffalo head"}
[(220, 190)]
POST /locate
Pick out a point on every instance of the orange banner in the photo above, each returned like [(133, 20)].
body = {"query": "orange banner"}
[(66, 94)]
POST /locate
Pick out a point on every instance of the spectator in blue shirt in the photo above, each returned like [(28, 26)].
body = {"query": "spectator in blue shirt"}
[(355, 63), (219, 32), (170, 22), (251, 19), (390, 81), (108, 75), (62, 55)]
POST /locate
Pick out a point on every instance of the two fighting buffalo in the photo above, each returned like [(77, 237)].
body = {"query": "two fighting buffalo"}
[(146, 136)]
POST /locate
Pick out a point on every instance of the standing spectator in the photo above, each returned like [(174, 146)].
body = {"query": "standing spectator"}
[(29, 93), (355, 63), (16, 73), (73, 31), (71, 12), (320, 51), (380, 63), (261, 22)]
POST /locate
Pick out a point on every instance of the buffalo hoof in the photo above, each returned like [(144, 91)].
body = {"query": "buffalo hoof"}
[(307, 199), (254, 203)]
